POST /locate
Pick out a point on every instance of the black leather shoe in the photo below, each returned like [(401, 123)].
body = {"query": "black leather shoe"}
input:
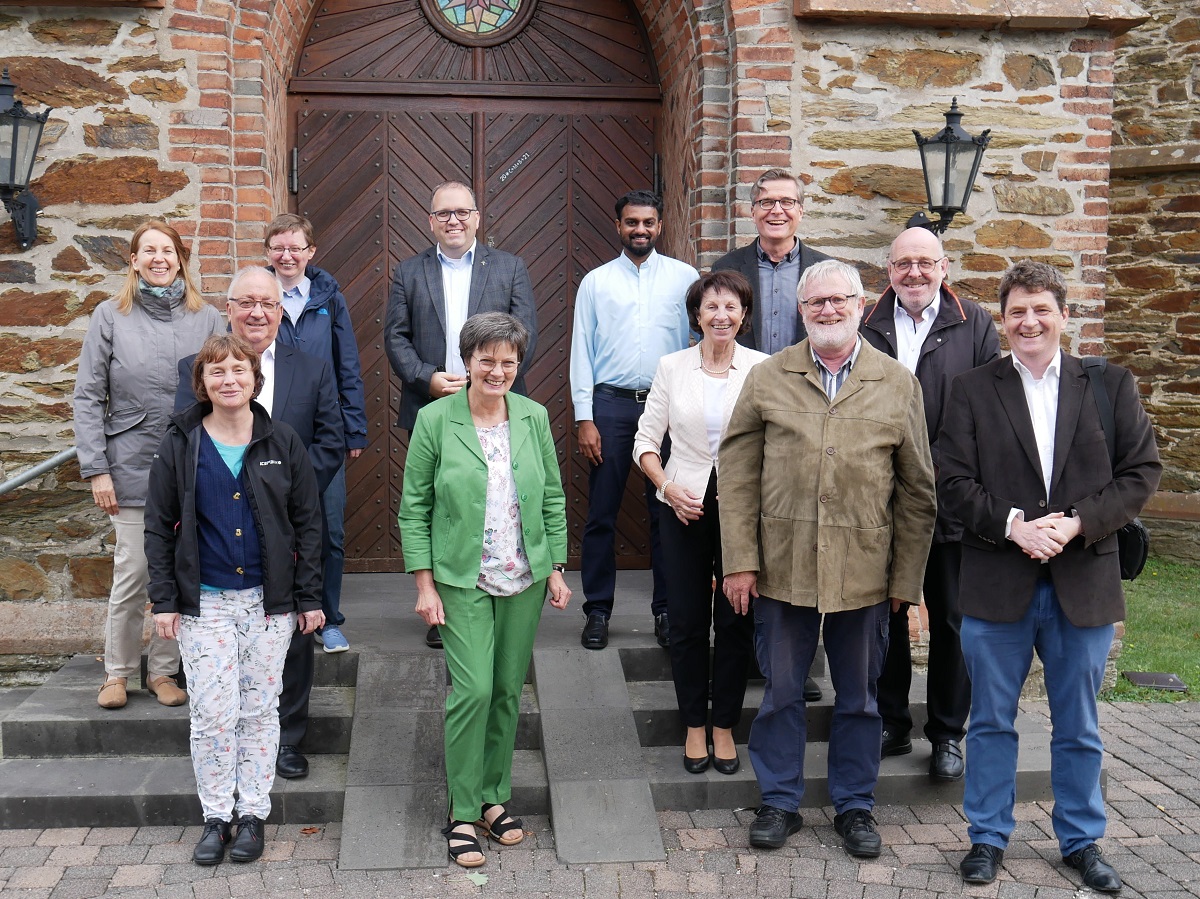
[(856, 827), (894, 743), (695, 766), (1097, 873), (812, 693), (773, 826), (211, 848), (727, 766), (595, 632), (661, 634), (433, 638), (982, 863), (248, 844), (946, 763), (290, 763)]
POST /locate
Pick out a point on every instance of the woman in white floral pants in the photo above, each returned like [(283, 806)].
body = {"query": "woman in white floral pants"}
[(233, 547)]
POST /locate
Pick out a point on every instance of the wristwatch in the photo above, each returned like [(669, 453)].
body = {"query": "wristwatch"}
[(561, 569)]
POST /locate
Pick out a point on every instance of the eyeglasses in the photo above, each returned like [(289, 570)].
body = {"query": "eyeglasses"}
[(507, 366), (443, 215), (246, 304), (785, 203), (283, 251), (837, 301), (924, 265)]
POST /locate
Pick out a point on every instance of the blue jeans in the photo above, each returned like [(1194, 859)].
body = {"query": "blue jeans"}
[(334, 501), (785, 641), (998, 656)]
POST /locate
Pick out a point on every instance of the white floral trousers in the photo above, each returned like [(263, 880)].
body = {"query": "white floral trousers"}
[(233, 656)]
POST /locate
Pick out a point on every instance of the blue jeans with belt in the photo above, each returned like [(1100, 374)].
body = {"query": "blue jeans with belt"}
[(998, 655)]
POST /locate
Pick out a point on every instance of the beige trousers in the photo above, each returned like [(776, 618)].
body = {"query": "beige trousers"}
[(123, 631)]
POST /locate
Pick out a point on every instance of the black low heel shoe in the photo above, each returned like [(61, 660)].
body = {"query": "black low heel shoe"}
[(727, 766), (211, 848), (248, 842), (695, 766)]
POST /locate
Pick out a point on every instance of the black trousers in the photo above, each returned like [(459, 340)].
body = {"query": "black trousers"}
[(692, 557), (298, 667), (949, 695)]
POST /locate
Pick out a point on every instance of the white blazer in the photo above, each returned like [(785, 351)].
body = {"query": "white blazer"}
[(676, 405)]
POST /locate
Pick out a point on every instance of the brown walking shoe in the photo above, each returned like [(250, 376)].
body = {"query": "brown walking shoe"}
[(112, 694), (166, 690)]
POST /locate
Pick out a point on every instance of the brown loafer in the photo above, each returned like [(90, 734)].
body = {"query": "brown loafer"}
[(166, 690), (112, 694)]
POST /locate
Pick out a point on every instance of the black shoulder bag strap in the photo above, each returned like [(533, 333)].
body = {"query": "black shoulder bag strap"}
[(1095, 366)]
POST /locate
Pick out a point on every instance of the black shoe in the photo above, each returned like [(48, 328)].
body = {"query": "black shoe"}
[(773, 826), (211, 848), (946, 763), (433, 638), (894, 743), (290, 763), (661, 634), (856, 827), (1097, 873), (726, 766), (595, 632), (695, 766), (248, 844), (812, 693), (982, 863)]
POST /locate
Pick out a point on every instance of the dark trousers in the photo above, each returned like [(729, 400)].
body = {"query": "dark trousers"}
[(949, 693), (616, 418), (298, 667), (785, 641), (692, 558)]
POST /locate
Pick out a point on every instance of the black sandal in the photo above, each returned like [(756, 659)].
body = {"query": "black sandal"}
[(504, 824), (460, 844)]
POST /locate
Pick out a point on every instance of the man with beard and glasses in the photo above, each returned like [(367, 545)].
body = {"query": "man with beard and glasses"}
[(629, 313), (937, 335), (827, 509), (432, 296)]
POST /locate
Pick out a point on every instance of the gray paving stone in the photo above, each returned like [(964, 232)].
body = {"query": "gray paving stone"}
[(401, 680), (390, 748), (604, 821), (390, 827)]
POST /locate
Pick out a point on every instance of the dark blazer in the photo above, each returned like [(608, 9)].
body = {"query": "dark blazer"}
[(989, 465), (963, 337), (415, 335), (305, 398), (745, 260)]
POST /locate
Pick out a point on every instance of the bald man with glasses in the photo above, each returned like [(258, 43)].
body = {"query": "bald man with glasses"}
[(435, 292)]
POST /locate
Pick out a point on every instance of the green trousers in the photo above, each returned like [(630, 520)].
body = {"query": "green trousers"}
[(488, 642)]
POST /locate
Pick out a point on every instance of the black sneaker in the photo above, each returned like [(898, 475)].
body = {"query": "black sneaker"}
[(773, 826), (856, 827)]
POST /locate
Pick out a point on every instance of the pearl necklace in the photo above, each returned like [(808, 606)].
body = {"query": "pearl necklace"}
[(711, 371)]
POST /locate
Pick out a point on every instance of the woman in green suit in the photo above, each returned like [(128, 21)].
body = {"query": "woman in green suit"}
[(484, 525)]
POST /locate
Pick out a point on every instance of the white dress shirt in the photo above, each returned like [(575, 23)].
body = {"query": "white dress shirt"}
[(911, 334), (296, 298), (456, 288), (1041, 396), (266, 361)]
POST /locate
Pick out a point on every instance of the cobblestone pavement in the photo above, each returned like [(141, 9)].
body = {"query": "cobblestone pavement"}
[(1153, 841)]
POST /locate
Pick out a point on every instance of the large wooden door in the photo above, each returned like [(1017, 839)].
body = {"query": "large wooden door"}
[(546, 181)]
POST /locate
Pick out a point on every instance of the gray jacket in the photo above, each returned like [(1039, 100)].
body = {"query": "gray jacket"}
[(125, 389)]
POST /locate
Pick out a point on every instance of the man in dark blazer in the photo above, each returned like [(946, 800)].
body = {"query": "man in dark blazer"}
[(435, 292), (935, 335), (299, 391), (1026, 468), (774, 262)]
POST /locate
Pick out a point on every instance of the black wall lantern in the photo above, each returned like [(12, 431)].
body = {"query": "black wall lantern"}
[(950, 161), (20, 134)]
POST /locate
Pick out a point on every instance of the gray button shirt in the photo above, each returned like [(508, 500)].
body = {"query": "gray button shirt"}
[(777, 295)]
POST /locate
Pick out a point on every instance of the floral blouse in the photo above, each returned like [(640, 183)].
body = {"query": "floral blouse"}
[(504, 570)]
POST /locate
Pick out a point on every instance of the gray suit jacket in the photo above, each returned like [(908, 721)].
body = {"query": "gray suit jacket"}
[(745, 260), (415, 334)]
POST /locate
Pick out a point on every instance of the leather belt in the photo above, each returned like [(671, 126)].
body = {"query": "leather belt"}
[(625, 393)]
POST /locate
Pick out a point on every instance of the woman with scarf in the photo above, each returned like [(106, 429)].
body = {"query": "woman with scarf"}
[(124, 393)]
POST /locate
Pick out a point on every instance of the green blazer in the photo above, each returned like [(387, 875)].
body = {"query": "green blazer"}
[(445, 490)]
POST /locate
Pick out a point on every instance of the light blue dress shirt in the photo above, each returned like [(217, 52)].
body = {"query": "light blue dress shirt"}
[(627, 317)]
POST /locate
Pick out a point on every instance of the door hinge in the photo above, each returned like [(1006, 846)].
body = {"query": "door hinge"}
[(294, 172)]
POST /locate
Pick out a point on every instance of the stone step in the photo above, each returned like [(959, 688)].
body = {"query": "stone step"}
[(114, 792), (60, 718), (653, 663)]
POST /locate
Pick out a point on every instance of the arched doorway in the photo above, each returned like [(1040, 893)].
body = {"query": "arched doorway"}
[(549, 122)]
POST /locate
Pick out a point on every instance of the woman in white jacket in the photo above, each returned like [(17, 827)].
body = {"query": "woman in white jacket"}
[(691, 399), (124, 394)]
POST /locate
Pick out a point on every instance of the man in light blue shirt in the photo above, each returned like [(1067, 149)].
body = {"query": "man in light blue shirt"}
[(628, 314)]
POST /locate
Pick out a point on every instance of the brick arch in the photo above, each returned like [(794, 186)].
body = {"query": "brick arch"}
[(721, 65)]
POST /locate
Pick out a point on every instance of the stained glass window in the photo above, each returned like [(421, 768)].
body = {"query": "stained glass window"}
[(479, 17)]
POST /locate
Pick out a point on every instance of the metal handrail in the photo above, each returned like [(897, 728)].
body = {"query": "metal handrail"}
[(38, 470)]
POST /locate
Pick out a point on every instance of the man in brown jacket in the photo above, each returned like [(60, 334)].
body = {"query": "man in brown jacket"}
[(827, 508)]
